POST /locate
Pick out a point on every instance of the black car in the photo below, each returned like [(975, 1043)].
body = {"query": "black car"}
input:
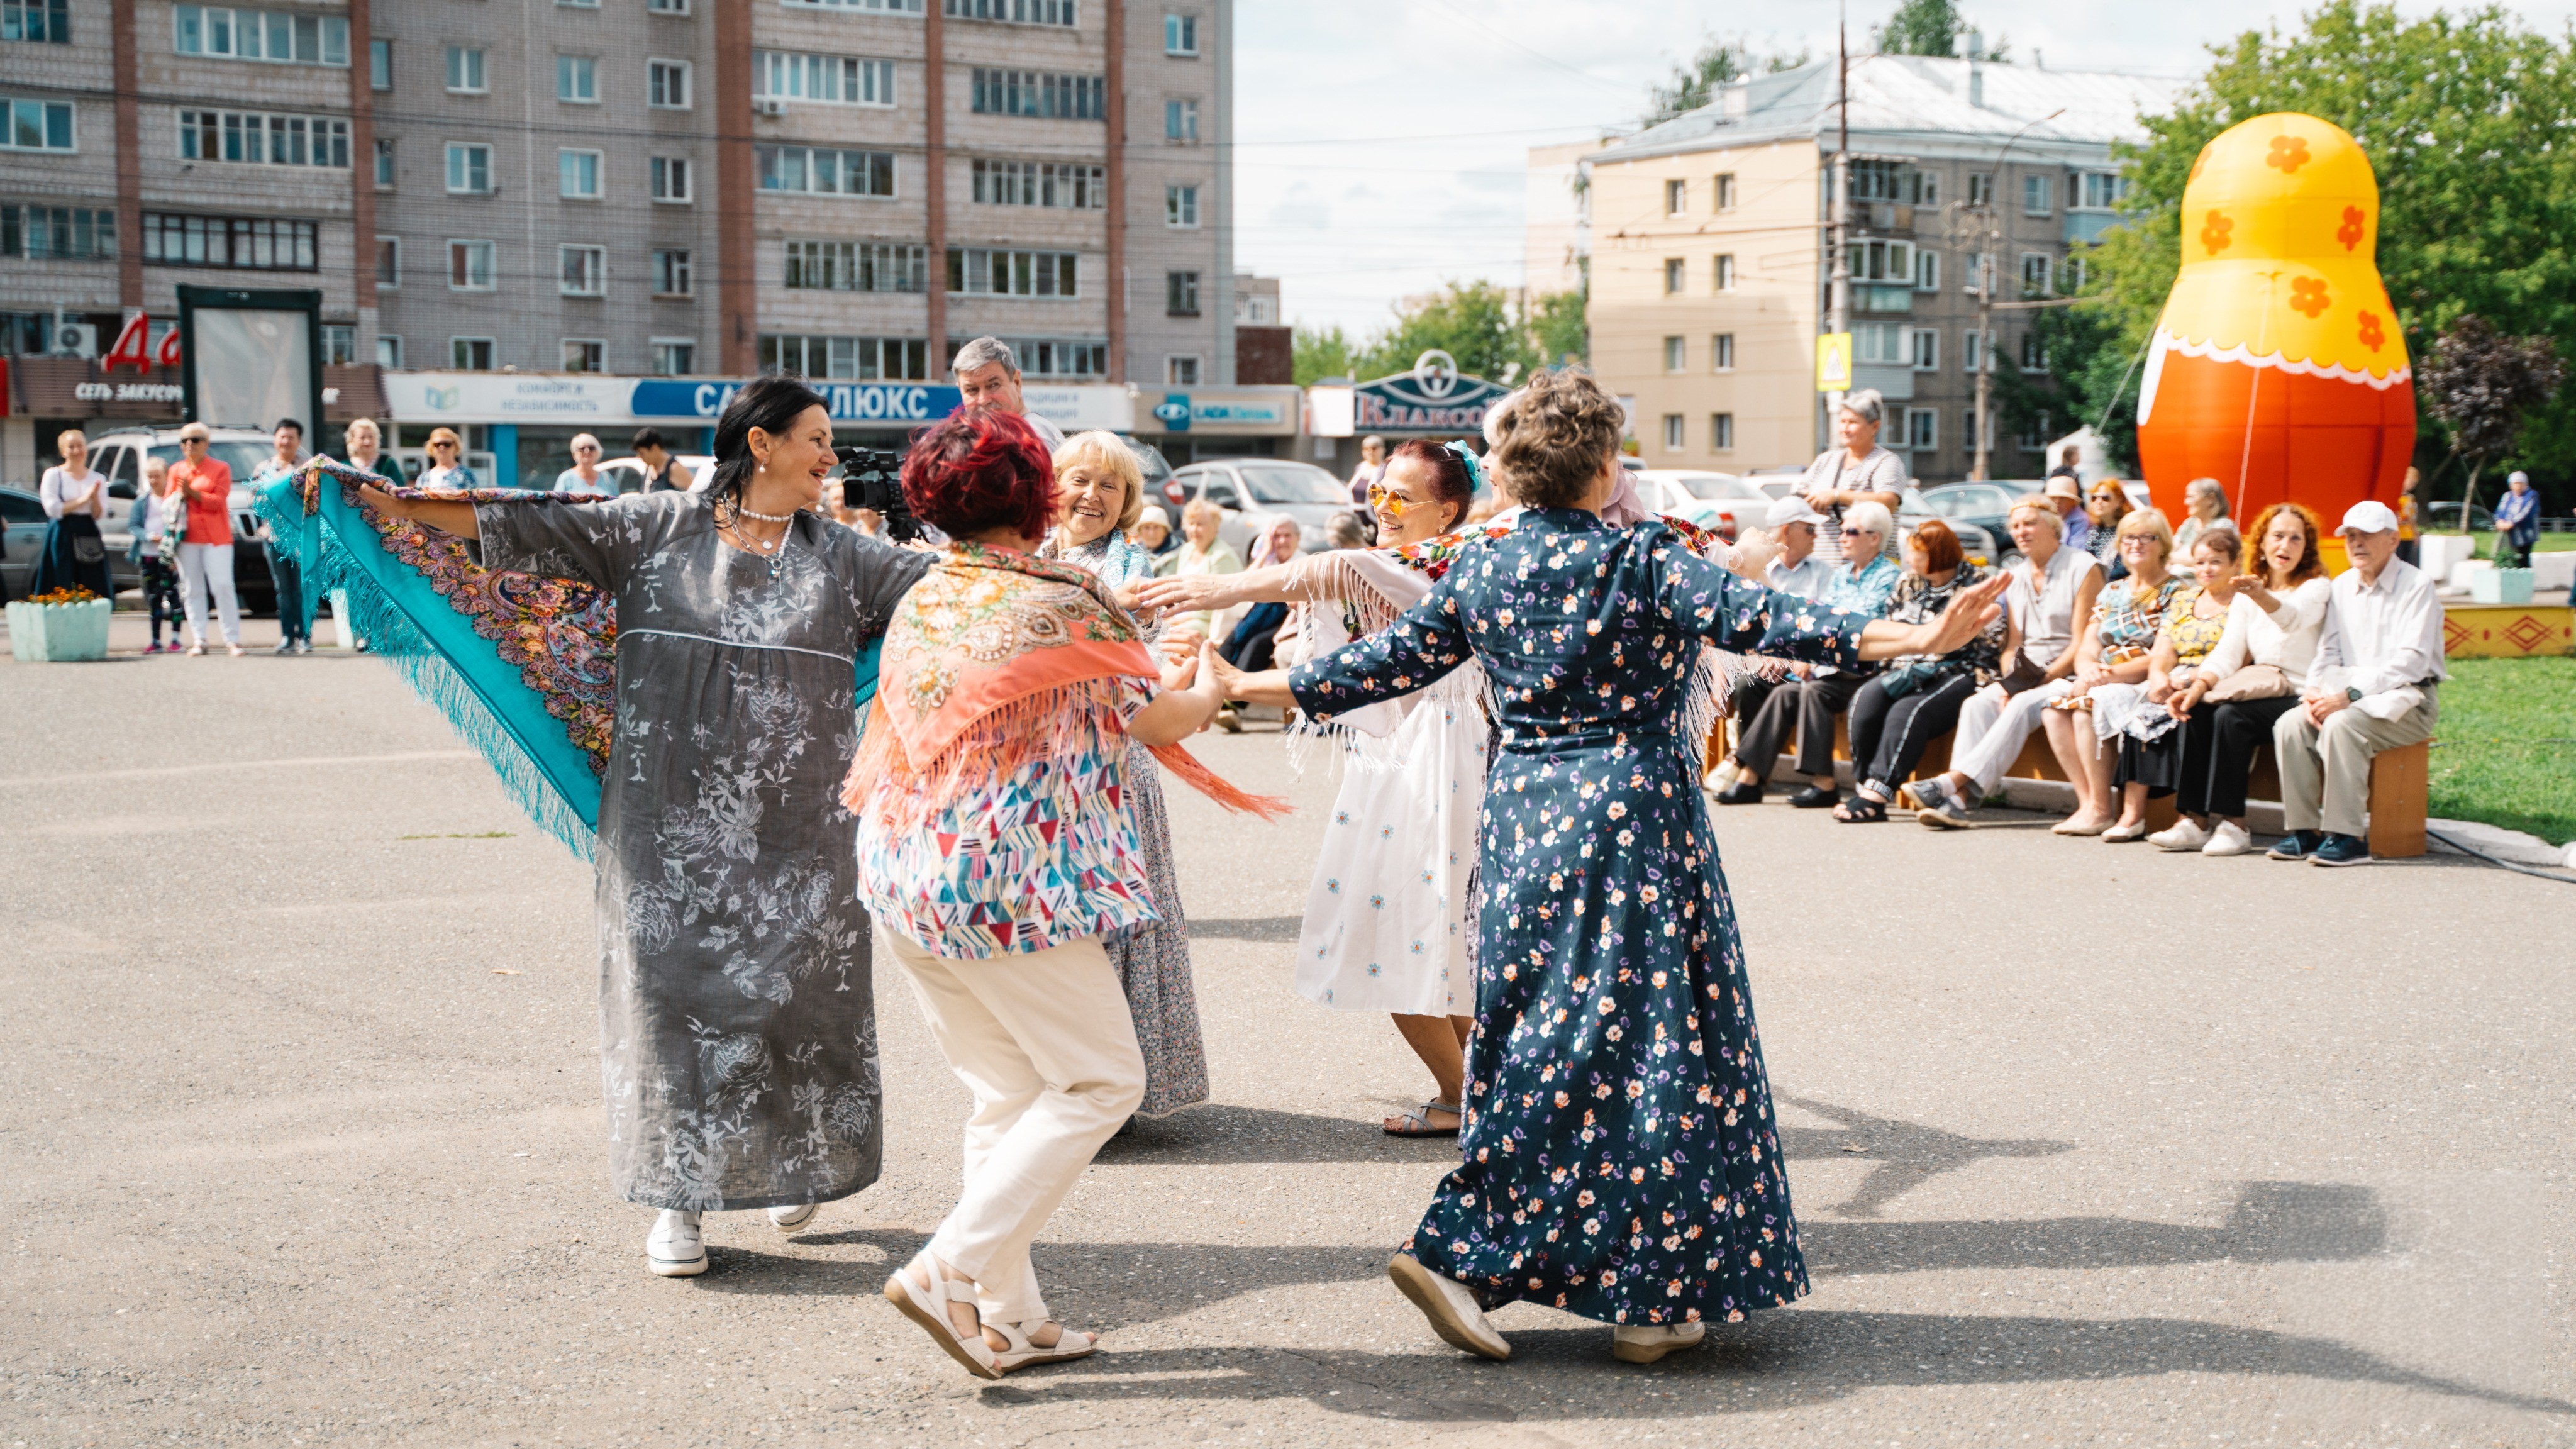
[(1985, 505)]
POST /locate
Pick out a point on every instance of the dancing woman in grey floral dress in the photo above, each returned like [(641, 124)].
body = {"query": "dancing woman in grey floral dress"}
[(737, 1016)]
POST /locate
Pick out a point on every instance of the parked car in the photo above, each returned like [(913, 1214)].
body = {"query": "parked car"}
[(1252, 488), (1720, 501), (2445, 518), (120, 456), (22, 538), (1986, 506), (1776, 482), (1975, 540)]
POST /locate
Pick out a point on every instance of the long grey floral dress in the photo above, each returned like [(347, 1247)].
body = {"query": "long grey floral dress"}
[(737, 1020), (1152, 957)]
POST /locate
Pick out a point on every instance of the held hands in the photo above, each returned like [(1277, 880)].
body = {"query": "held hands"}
[(1181, 668), (1197, 591)]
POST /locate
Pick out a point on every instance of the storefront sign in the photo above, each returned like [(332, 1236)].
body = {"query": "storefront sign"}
[(1233, 411), (501, 397), (1078, 408), (1435, 397), (902, 404)]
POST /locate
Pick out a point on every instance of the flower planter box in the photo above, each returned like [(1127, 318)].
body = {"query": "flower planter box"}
[(2500, 586), (59, 633)]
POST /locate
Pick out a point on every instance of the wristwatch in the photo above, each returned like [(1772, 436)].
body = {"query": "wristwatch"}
[(2351, 695)]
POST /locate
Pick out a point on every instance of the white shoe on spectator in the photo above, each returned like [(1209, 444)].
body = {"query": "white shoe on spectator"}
[(793, 1218), (2183, 834), (1935, 804), (2228, 839), (677, 1247), (2124, 832)]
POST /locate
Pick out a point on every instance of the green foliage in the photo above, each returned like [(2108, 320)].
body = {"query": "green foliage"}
[(2506, 746), (1556, 325), (1317, 353), (1471, 321), (2482, 385), (2087, 375), (1928, 27), (1694, 84)]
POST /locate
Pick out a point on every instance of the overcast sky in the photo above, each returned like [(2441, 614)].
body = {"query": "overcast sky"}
[(1380, 143)]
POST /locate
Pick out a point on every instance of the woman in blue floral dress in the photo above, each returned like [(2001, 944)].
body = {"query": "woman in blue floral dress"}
[(1620, 1160)]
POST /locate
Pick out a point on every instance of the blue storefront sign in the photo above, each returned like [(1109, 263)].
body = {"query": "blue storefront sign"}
[(1173, 412), (900, 404)]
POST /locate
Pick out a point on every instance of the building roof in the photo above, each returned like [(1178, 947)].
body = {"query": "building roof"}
[(1920, 105)]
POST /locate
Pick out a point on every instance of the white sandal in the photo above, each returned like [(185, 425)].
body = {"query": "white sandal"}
[(1023, 1352), (932, 1314), (1453, 1311)]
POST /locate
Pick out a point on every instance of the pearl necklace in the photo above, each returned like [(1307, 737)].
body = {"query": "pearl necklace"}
[(763, 517)]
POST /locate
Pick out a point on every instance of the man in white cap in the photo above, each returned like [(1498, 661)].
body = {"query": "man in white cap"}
[(1792, 524), (2517, 521), (2372, 687), (2067, 496)]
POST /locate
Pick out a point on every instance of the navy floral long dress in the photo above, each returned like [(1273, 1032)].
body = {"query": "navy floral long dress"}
[(1620, 1159)]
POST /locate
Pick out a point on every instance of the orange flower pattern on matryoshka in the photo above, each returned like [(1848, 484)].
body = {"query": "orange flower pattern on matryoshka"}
[(2370, 332), (2288, 152), (2214, 232), (1620, 1157), (2352, 230), (2308, 294)]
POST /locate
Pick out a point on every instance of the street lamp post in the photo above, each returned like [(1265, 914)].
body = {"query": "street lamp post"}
[(1985, 224)]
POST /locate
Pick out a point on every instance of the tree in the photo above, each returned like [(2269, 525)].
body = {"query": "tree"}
[(1471, 321), (1717, 62), (2081, 380), (1929, 27), (1317, 353), (1557, 329), (2482, 385)]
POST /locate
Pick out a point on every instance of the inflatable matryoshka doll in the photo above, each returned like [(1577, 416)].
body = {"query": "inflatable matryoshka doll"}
[(2278, 367)]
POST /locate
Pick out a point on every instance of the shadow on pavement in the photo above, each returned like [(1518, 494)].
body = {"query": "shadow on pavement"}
[(1908, 1154), (1247, 928), (1224, 1133)]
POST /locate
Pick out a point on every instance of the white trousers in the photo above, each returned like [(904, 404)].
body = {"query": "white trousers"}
[(203, 566), (1048, 1047), (1992, 729)]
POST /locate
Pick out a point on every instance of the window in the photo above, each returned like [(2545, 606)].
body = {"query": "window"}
[(856, 266), (824, 171), (1881, 342), (1721, 432), (1180, 35), (2034, 195), (1968, 429), (1033, 93), (667, 7), (1721, 352), (584, 354), (1881, 261), (1724, 187), (1926, 349), (1016, 12), (1058, 358), (584, 270), (671, 275), (469, 169), (36, 125), (384, 163), (257, 137), (577, 78), (1676, 355), (270, 35), (1042, 183), (388, 261), (465, 70), (671, 179), (1181, 294), (674, 356), (1971, 355), (40, 20), (2077, 273), (1673, 432), (855, 359), (1676, 197), (579, 170), (2037, 270), (470, 354), (257, 244), (898, 7), (1181, 122), (666, 84), (839, 80), (1927, 270), (1981, 188), (380, 65), (388, 350), (2034, 434), (2095, 190), (469, 266), (2034, 352), (1980, 273), (1895, 181), (58, 233), (999, 273), (1722, 273), (1181, 206), (1673, 267), (1922, 429), (339, 343), (1181, 371), (580, 4)]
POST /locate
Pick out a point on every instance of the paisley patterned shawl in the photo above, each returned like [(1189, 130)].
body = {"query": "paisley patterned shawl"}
[(524, 665), (996, 658)]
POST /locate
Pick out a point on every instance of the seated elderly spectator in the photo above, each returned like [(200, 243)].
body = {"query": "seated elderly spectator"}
[(2276, 610), (2053, 589), (1153, 533), (1781, 555), (2113, 654), (1253, 638), (1860, 585), (2149, 735), (1900, 711), (2066, 496), (2378, 670), (2204, 502)]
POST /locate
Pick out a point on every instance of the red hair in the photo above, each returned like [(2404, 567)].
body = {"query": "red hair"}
[(1940, 546), (980, 469)]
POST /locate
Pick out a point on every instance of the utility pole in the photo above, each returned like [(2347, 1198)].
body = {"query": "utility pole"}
[(1838, 294), (1982, 223)]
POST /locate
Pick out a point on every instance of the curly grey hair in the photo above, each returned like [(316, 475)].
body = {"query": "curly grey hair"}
[(1868, 404)]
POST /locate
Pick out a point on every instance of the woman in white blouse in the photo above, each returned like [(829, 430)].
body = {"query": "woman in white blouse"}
[(75, 499), (2257, 670)]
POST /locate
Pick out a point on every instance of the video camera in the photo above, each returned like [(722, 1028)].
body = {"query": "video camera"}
[(872, 478)]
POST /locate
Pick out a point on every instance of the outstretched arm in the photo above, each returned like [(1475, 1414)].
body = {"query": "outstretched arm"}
[(1424, 644), (1272, 584)]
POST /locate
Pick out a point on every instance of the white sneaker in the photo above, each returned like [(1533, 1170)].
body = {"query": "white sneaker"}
[(1646, 1343), (2183, 834), (2228, 839), (677, 1247), (794, 1218)]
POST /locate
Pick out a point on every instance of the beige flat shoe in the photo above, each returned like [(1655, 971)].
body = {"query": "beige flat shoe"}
[(1023, 1352), (926, 1303), (1646, 1343), (2075, 825), (1453, 1311)]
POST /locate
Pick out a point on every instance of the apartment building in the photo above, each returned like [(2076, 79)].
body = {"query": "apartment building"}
[(1707, 244), (845, 189)]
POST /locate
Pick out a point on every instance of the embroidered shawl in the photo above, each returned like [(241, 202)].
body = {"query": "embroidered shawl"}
[(996, 658)]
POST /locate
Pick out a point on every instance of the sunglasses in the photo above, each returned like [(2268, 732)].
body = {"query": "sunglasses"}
[(1392, 503)]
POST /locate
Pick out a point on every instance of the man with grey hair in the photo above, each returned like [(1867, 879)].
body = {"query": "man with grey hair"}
[(1856, 470), (988, 375)]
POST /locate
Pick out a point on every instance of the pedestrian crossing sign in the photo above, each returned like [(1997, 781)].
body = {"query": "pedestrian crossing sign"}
[(1834, 362)]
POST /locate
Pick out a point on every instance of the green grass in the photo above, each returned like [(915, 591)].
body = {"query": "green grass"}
[(2549, 542), (2505, 750)]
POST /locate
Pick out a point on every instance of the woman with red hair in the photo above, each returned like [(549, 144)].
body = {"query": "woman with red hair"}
[(996, 849)]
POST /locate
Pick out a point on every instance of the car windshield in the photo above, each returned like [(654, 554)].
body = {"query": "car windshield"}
[(1272, 483), (1150, 460), (1715, 486), (239, 454)]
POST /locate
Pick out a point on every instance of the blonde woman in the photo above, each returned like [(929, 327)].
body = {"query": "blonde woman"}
[(446, 462), (2116, 650), (75, 499), (1099, 492), (1201, 552)]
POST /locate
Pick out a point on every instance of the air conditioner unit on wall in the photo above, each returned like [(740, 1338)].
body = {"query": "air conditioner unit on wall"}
[(75, 339), (770, 108)]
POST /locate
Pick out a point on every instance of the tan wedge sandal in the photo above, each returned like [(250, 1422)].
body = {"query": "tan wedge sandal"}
[(1024, 1352), (928, 1306)]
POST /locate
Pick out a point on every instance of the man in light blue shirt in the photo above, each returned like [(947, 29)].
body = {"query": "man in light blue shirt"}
[(1767, 709)]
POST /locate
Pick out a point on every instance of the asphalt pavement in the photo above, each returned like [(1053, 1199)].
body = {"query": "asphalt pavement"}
[(2090, 1144)]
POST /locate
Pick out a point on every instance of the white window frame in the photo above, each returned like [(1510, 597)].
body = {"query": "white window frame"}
[(212, 133), (1676, 432), (1922, 430), (1181, 206), (1676, 355), (395, 285), (658, 69), (1721, 432), (1721, 273), (1180, 34), (468, 71), (684, 270), (573, 71), (465, 150), (666, 7), (389, 350), (1173, 362), (1722, 185), (382, 166), (1676, 196), (1676, 275), (1927, 269), (564, 177), (567, 344), (331, 31), (491, 353), (801, 77), (1721, 352), (594, 269), (491, 266), (1180, 121), (660, 170), (2035, 187), (888, 7), (2047, 270), (657, 345), (1970, 352), (1925, 348), (9, 125)]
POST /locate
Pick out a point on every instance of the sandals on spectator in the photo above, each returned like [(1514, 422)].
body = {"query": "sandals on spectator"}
[(928, 1307), (1815, 797), (1417, 1123), (1740, 793), (1023, 1352), (1861, 810)]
